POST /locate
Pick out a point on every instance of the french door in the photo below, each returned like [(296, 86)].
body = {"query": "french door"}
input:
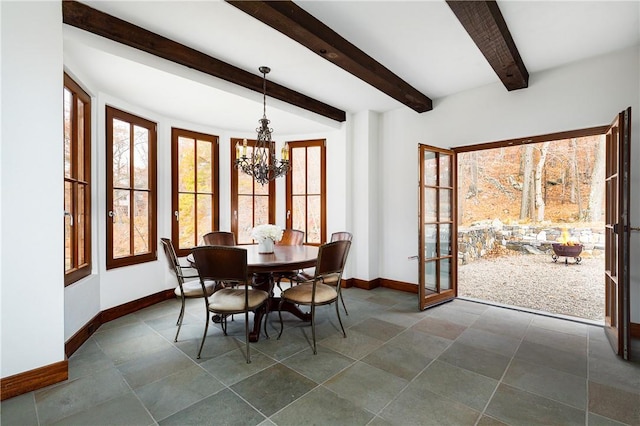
[(617, 229), (437, 230)]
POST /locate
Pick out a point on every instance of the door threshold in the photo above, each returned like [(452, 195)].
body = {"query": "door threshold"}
[(536, 312)]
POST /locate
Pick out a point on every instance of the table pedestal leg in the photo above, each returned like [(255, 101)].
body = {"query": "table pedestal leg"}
[(265, 282)]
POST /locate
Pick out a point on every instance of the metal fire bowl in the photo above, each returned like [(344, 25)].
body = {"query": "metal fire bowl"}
[(568, 251)]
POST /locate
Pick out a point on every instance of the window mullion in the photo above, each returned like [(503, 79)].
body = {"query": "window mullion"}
[(131, 190)]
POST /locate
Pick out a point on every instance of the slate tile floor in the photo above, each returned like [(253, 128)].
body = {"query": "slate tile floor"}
[(461, 363)]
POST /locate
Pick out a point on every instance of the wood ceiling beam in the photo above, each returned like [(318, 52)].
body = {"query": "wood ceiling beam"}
[(486, 26), (97, 22), (294, 22)]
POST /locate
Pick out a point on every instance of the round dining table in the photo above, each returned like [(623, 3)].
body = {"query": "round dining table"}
[(262, 266)]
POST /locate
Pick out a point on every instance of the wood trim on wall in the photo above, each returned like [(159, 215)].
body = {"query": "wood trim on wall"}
[(399, 285), (363, 284), (33, 379), (635, 330), (104, 317)]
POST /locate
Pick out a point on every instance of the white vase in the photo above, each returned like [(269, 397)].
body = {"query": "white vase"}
[(265, 246)]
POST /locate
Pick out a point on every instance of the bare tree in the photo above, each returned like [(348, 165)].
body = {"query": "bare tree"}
[(597, 183), (538, 181), (575, 178), (526, 203)]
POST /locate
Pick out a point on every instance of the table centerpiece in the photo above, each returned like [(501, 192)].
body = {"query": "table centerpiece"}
[(266, 235)]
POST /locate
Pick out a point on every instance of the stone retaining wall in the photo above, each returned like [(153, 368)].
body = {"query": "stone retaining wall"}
[(481, 239)]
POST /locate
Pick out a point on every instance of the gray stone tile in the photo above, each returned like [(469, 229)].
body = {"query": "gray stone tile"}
[(64, 399), (356, 345), (320, 367), (125, 410), (178, 391), (560, 325), (557, 340), (88, 359), (614, 403), (518, 407), (489, 421), (130, 349), (475, 359), (547, 382), (413, 407), (19, 410), (498, 343), (231, 367), (615, 372), (378, 329), (560, 360), (596, 420), (222, 405), (426, 344), (452, 313), (469, 306), (153, 366), (366, 386), (400, 315), (266, 390), (471, 389), (508, 325), (322, 407), (398, 359), (439, 327)]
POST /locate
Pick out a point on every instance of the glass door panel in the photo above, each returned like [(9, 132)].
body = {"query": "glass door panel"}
[(437, 226)]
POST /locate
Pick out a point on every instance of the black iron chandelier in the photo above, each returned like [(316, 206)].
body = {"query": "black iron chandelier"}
[(262, 163)]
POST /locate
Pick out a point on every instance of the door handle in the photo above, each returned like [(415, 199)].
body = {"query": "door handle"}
[(288, 214), (112, 215), (177, 215), (66, 213)]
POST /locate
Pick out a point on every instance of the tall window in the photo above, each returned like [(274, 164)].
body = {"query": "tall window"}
[(131, 189), (77, 182), (251, 203), (194, 164), (306, 190)]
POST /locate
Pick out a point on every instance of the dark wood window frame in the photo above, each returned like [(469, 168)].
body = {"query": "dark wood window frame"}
[(152, 253), (234, 189), (175, 190), (76, 215), (296, 145)]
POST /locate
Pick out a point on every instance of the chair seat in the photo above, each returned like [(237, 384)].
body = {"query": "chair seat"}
[(302, 293), (231, 300), (194, 288)]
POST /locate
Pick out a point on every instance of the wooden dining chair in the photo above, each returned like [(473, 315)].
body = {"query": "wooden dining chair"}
[(307, 274), (343, 235), (219, 238), (315, 292), (185, 289), (219, 263), (290, 237)]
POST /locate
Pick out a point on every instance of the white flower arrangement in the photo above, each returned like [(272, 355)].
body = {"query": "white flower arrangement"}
[(262, 232)]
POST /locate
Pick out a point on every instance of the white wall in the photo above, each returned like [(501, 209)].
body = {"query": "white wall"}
[(32, 188), (580, 95)]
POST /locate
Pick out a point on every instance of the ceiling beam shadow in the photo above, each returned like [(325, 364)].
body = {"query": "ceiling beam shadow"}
[(115, 29), (297, 24), (486, 26)]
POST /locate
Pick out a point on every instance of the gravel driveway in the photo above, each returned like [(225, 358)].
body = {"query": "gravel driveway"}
[(536, 282)]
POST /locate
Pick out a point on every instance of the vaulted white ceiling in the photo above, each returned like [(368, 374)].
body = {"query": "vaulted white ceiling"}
[(420, 41)]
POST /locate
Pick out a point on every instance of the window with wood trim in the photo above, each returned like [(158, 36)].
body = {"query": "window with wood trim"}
[(131, 189), (251, 203), (306, 190), (77, 181), (194, 183)]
